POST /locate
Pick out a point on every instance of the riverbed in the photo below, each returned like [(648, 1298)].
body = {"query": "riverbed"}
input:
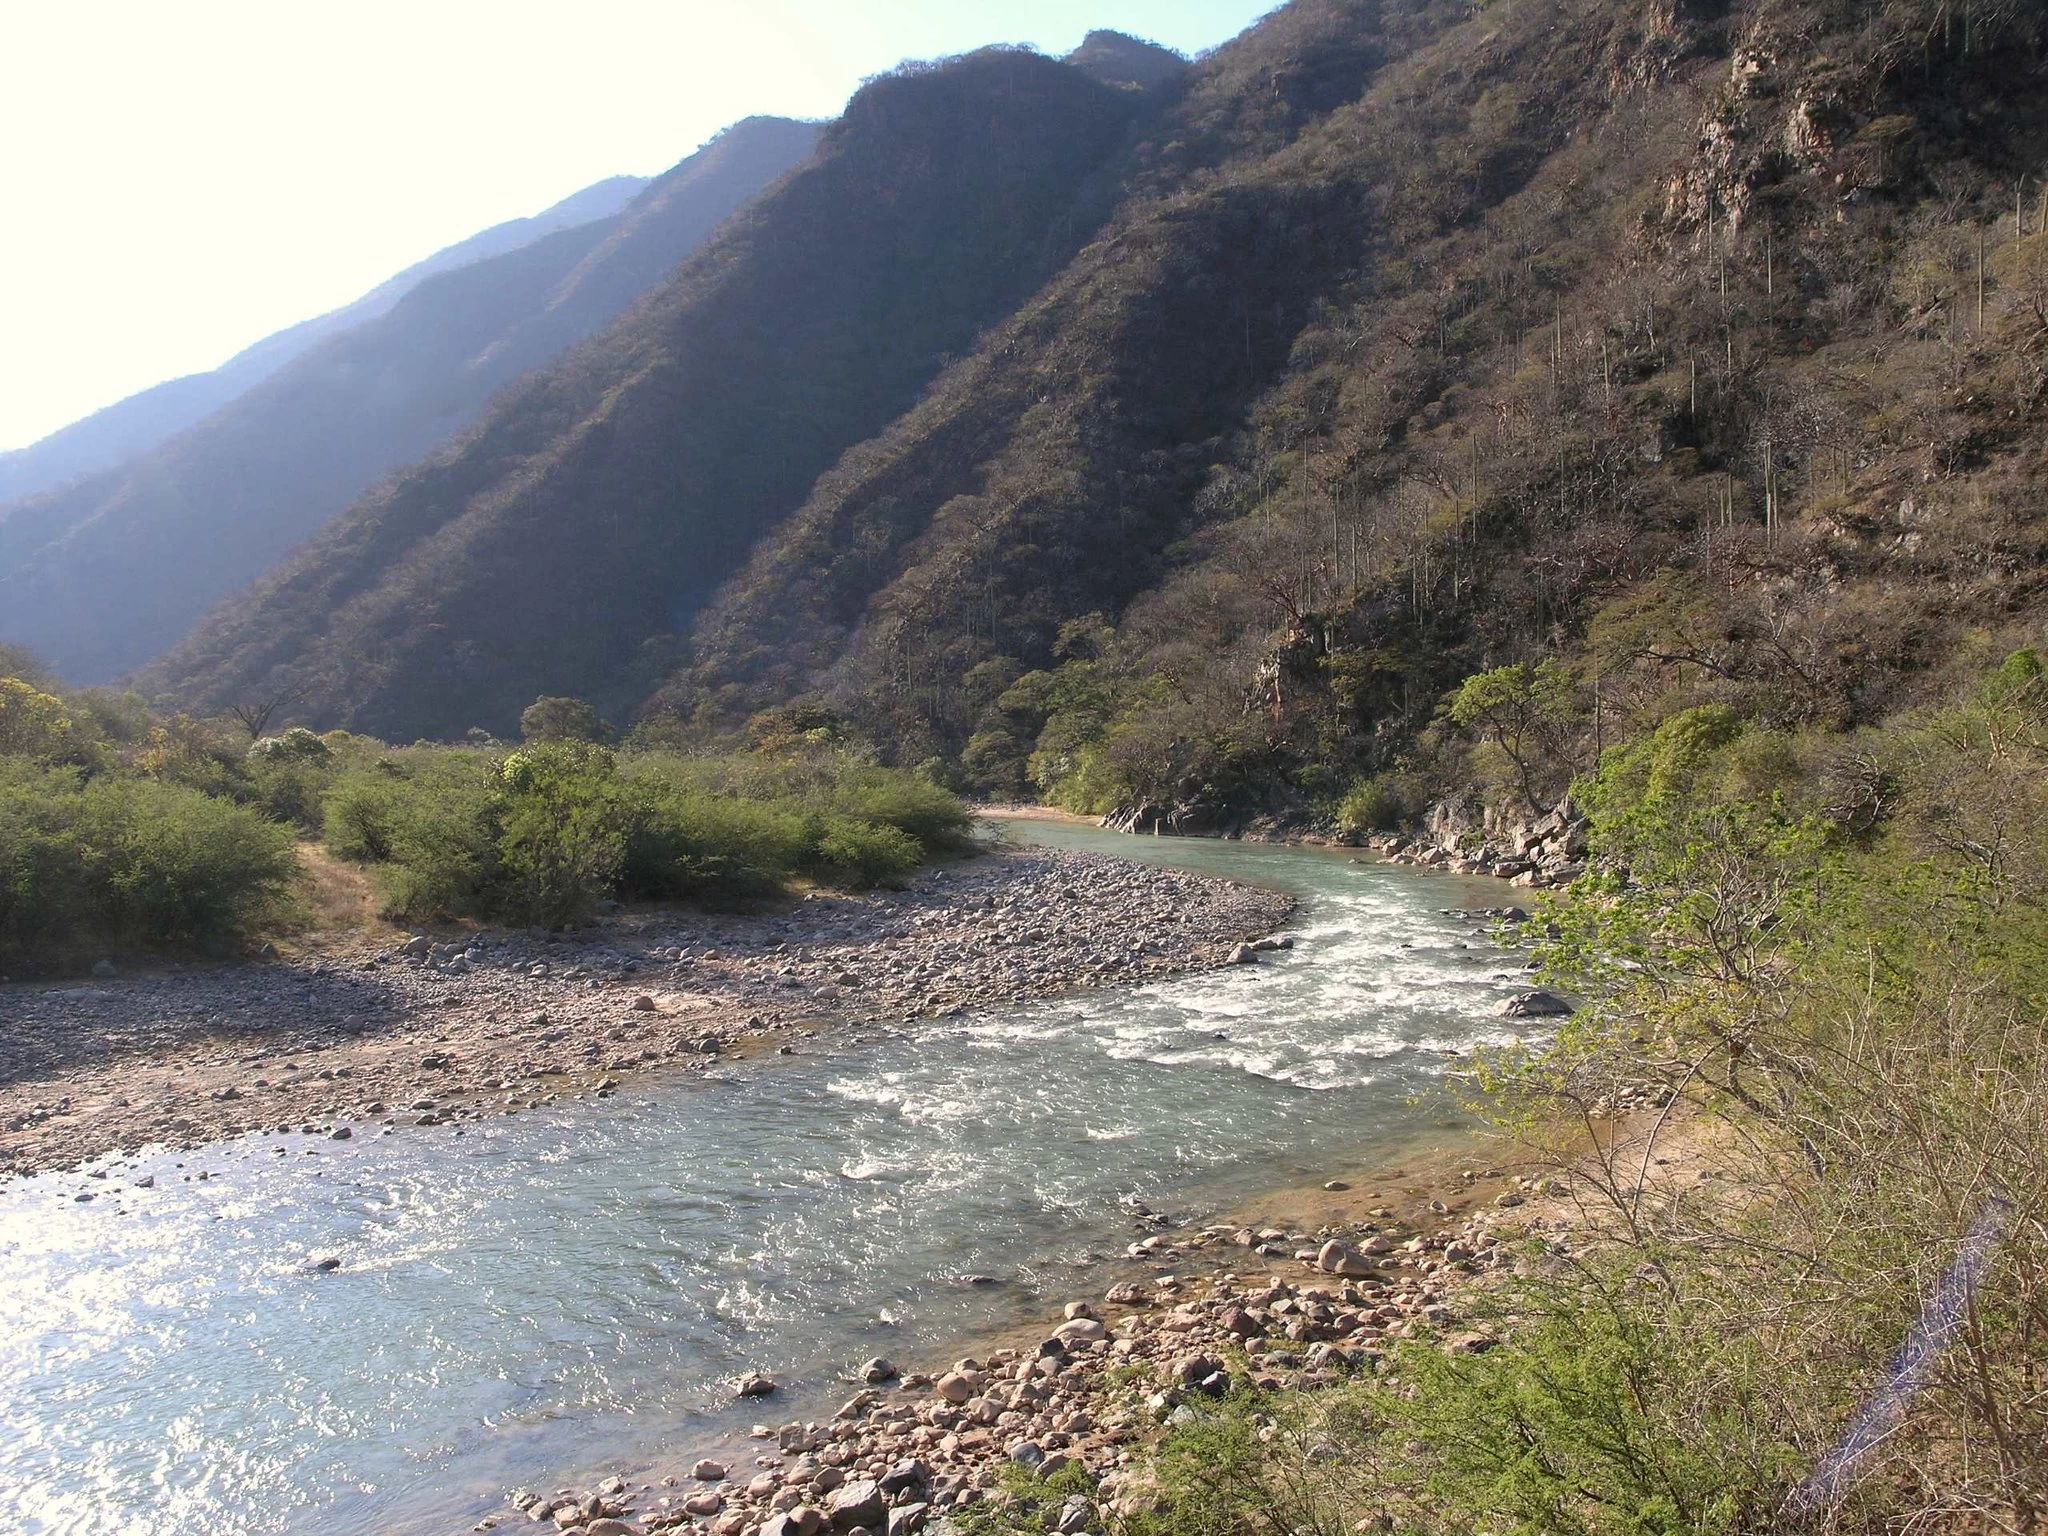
[(570, 1290)]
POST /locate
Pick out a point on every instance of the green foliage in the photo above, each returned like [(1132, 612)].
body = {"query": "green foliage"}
[(33, 724), (1607, 1415), (562, 824), (424, 819), (1527, 713), (119, 861), (844, 851), (559, 719), (297, 745), (1376, 803), (550, 830)]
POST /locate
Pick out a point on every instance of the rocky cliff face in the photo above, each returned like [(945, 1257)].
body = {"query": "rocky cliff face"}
[(1466, 836)]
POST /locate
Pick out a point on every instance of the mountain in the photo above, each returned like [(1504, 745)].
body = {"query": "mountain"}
[(108, 572), (598, 505), (1116, 58), (1698, 345), (144, 419)]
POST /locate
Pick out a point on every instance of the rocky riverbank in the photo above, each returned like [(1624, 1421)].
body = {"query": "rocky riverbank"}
[(1281, 1300), (356, 1038)]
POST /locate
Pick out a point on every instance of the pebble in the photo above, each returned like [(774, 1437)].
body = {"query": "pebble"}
[(897, 1463), (497, 1021)]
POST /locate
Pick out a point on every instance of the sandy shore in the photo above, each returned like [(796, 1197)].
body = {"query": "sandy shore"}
[(459, 1024)]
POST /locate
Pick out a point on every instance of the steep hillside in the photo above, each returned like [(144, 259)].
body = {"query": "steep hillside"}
[(598, 505), (1700, 347), (1650, 336), (143, 420), (112, 570)]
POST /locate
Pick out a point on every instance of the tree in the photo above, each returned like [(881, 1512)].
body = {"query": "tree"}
[(33, 724), (254, 715), (1527, 713), (560, 719)]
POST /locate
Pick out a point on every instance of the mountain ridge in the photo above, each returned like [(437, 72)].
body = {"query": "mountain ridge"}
[(951, 189), (1696, 347), (137, 423), (107, 574)]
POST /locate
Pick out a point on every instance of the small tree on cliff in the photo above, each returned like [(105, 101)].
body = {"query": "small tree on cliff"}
[(1526, 713)]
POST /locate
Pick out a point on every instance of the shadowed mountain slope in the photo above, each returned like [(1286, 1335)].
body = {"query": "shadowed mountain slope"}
[(105, 574), (137, 424), (1703, 343), (1698, 345), (597, 506)]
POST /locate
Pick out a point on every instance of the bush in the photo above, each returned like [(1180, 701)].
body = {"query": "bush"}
[(115, 862), (932, 817), (690, 845), (559, 719), (841, 850), (562, 824), (1374, 804), (425, 820), (558, 826)]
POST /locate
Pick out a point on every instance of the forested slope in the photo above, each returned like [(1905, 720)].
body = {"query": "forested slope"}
[(597, 505), (1658, 327), (106, 573), (1699, 347)]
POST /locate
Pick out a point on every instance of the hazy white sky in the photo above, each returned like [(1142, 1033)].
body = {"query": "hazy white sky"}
[(182, 177)]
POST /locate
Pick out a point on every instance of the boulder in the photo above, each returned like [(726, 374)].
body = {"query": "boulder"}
[(753, 1384), (907, 1474), (879, 1370), (955, 1388), (1534, 1005), (1336, 1259), (860, 1502)]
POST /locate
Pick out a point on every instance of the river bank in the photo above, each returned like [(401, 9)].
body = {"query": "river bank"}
[(355, 1038), (1295, 1291), (576, 1287)]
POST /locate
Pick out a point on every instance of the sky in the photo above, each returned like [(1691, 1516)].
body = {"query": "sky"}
[(182, 179)]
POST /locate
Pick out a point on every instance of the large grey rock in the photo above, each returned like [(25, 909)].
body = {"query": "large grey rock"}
[(1334, 1258), (1534, 1005), (860, 1502)]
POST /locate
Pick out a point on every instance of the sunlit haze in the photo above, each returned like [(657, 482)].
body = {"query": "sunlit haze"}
[(182, 180)]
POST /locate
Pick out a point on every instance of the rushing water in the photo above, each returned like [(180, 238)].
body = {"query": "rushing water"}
[(567, 1290)]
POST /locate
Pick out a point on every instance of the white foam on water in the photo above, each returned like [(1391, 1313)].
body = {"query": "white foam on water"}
[(562, 1290)]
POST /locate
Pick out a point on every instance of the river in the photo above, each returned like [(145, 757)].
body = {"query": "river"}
[(566, 1291)]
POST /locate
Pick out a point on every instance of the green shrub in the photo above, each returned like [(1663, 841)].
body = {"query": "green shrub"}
[(426, 821), (691, 845), (563, 820), (115, 862), (560, 825), (856, 854), (933, 817), (1373, 804)]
